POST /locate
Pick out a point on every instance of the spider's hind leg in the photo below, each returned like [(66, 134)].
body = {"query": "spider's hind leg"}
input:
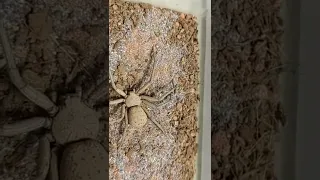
[(153, 99), (44, 158), (125, 132), (123, 114), (154, 122)]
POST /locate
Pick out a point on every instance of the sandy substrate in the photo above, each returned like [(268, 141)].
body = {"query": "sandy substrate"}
[(56, 44), (147, 153), (246, 109)]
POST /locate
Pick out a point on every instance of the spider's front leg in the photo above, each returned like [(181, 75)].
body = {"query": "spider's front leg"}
[(119, 91), (32, 94), (146, 86), (117, 101)]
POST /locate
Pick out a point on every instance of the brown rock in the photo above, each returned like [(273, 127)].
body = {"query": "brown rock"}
[(84, 160)]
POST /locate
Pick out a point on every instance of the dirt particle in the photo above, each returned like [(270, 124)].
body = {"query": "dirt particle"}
[(179, 107), (40, 24), (115, 7)]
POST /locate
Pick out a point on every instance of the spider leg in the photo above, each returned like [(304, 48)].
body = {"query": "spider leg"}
[(154, 122), (53, 171), (54, 96), (43, 158), (152, 99), (25, 126), (123, 112), (125, 129), (31, 93), (117, 101), (146, 86), (126, 118), (119, 91), (123, 115), (147, 103)]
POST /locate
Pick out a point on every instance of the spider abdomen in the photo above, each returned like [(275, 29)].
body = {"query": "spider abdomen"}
[(84, 160), (137, 117)]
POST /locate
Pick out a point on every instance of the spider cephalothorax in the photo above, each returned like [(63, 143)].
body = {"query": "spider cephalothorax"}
[(133, 99)]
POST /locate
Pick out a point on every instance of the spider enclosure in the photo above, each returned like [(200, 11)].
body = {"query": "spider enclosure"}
[(160, 46)]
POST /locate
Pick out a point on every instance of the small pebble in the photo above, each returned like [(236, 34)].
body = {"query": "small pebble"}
[(115, 7), (179, 106), (193, 134)]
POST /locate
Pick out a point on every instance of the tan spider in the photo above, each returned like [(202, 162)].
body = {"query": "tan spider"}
[(134, 104)]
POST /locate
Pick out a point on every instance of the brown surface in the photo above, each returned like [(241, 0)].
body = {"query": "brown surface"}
[(246, 108), (52, 42), (147, 153)]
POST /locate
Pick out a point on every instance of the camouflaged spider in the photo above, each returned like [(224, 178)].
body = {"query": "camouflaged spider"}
[(134, 103)]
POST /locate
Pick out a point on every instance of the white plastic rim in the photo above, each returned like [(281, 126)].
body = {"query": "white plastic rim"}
[(194, 7), (202, 10)]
